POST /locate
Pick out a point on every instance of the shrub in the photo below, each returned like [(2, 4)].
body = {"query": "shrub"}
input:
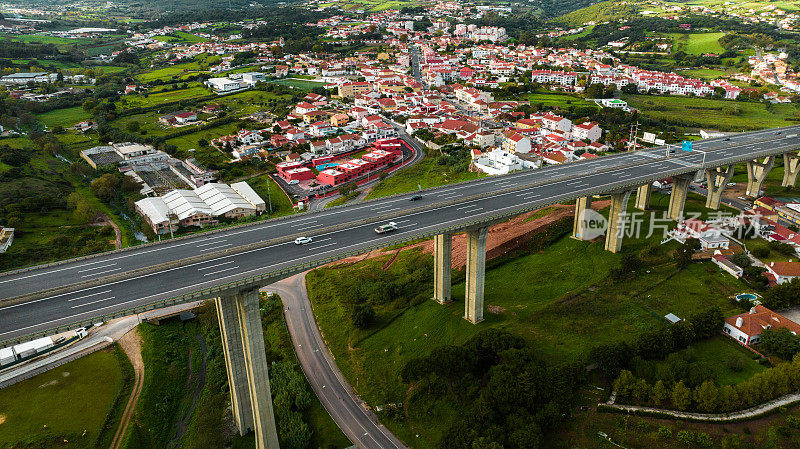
[(363, 315), (735, 363), (685, 437), (665, 432)]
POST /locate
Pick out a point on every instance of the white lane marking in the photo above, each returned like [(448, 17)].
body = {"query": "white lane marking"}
[(321, 246), (93, 302), (210, 243), (100, 272), (96, 268), (217, 247), (221, 271), (467, 207), (214, 266), (88, 296)]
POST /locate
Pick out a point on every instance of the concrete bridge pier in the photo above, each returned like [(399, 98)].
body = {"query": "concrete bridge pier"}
[(756, 173), (717, 179), (476, 274), (581, 205), (677, 200), (643, 196), (442, 267), (791, 167), (246, 363), (616, 220)]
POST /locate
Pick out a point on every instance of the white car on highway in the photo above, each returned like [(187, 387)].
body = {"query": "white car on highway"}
[(302, 240)]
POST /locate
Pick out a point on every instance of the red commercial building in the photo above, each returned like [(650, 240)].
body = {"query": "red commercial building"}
[(332, 177), (283, 167), (299, 174)]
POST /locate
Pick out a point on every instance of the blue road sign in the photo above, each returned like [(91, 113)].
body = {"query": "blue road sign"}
[(686, 146)]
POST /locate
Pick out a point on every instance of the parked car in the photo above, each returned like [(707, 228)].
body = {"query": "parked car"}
[(294, 182), (302, 240), (415, 198)]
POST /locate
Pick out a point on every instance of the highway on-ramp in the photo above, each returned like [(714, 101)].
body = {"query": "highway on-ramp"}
[(357, 422), (92, 288)]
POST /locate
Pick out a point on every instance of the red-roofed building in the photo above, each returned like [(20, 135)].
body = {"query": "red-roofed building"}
[(747, 327)]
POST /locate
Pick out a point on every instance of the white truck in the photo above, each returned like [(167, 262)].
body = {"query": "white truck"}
[(388, 227)]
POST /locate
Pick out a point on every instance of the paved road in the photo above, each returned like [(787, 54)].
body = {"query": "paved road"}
[(357, 422), (441, 208)]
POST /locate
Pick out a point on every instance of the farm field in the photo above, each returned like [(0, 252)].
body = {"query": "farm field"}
[(692, 112), (196, 90), (299, 83)]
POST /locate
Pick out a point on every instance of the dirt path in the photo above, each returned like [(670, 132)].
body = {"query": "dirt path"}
[(105, 220), (131, 343)]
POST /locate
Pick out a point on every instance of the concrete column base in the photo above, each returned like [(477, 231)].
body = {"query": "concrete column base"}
[(616, 221), (581, 204), (791, 167), (476, 274), (442, 267), (677, 200), (717, 180), (756, 173), (643, 196)]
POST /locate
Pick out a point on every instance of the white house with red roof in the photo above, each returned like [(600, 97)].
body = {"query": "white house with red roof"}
[(304, 107), (554, 122), (783, 271), (748, 327), (587, 131)]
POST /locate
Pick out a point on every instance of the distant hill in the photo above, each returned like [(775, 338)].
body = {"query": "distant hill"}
[(601, 12)]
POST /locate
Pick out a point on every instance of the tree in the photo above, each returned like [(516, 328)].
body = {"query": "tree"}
[(741, 259), (781, 342), (659, 393), (132, 126), (641, 390), (681, 396), (683, 255), (105, 187), (362, 316), (707, 396), (83, 212), (625, 383)]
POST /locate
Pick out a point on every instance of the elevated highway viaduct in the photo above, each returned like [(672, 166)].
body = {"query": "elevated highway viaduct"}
[(230, 265)]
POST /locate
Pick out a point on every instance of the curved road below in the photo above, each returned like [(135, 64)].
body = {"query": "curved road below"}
[(345, 407)]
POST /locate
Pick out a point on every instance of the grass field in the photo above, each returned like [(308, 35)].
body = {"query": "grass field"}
[(697, 43), (133, 101), (299, 84), (426, 173), (692, 112), (181, 36), (64, 117), (561, 101), (266, 188), (709, 74), (61, 404)]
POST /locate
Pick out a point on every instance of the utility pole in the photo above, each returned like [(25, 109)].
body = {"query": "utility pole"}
[(269, 193), (633, 137)]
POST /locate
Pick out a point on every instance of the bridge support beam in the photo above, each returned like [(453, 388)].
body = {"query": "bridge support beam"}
[(643, 196), (716, 180), (616, 220), (791, 167), (581, 204), (476, 274), (756, 173), (246, 363), (680, 188), (442, 267)]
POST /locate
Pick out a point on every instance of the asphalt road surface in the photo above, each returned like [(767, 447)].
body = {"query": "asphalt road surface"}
[(357, 422), (448, 206)]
